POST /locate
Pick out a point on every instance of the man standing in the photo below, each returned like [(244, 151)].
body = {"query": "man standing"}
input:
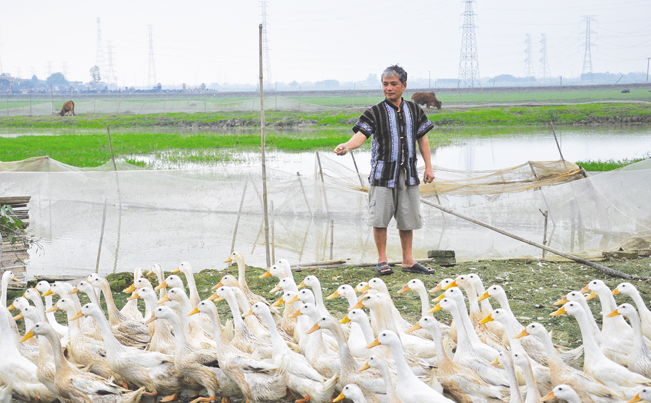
[(395, 126)]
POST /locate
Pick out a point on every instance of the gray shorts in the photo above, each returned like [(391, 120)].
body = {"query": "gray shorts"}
[(401, 202)]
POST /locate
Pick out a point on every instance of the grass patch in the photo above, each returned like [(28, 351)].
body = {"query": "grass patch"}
[(609, 165)]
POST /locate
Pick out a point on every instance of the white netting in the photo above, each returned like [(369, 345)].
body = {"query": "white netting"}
[(169, 216)]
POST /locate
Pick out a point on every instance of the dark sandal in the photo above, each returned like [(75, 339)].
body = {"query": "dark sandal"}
[(418, 268), (383, 269)]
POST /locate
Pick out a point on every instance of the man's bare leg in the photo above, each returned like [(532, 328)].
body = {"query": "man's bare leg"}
[(380, 235), (406, 240)]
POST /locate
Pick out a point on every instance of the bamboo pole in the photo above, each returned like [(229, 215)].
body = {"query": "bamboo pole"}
[(101, 238), (300, 182), (273, 233), (556, 138), (604, 269), (264, 167), (325, 196), (361, 182), (239, 214), (545, 214)]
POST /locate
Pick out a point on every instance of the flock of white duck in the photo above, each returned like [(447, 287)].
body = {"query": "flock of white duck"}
[(180, 345)]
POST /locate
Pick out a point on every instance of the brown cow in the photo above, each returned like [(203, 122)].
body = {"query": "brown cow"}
[(422, 98), (68, 107)]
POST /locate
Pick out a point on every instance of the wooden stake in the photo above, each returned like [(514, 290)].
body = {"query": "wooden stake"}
[(264, 167), (101, 237), (545, 214), (239, 214), (361, 182), (300, 182), (325, 196), (273, 233), (604, 269), (556, 138)]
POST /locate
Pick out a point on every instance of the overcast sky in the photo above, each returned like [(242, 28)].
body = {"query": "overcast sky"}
[(199, 41)]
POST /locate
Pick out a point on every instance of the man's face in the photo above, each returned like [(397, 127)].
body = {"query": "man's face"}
[(393, 88)]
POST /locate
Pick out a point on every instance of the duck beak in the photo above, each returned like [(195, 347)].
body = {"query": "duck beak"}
[(164, 300), (333, 295), (374, 343), (435, 289), (404, 289), (452, 284), (275, 289), (301, 285), (613, 314), (313, 329), (561, 302), (616, 291), (194, 311), (591, 296), (496, 362), (339, 398), (133, 296), (439, 298), (216, 286), (176, 270), (346, 319), (29, 335), (294, 299), (585, 289), (53, 309), (266, 274), (522, 334), (150, 272), (248, 313), (487, 319), (129, 289), (48, 292), (11, 307), (414, 328), (436, 308), (74, 291), (483, 297), (279, 302), (365, 367), (637, 398), (18, 317), (161, 285), (77, 316), (559, 312), (365, 288), (151, 319), (358, 305), (295, 314), (548, 396), (228, 260)]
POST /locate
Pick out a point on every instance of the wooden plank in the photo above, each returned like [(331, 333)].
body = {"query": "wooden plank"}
[(15, 199)]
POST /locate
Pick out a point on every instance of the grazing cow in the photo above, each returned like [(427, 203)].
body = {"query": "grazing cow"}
[(68, 107), (626, 91), (422, 98)]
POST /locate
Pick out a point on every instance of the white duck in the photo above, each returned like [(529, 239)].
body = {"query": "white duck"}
[(522, 360), (356, 339), (157, 270), (351, 392), (409, 388), (44, 288), (162, 340), (616, 326), (644, 395), (377, 362), (640, 359), (186, 269), (644, 312), (130, 309), (315, 285), (7, 277), (562, 392)]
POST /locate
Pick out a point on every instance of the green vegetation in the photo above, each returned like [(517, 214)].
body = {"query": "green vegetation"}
[(609, 165), (344, 118), (532, 287)]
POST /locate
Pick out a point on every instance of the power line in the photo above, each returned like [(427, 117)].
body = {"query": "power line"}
[(587, 56), (544, 65), (528, 58), (265, 46), (151, 80), (468, 63)]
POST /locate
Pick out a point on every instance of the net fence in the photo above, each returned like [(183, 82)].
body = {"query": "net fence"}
[(141, 217)]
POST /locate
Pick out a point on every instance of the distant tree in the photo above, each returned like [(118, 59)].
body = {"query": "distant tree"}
[(94, 73), (27, 84), (57, 80), (34, 78), (4, 83), (293, 84), (372, 79), (327, 83)]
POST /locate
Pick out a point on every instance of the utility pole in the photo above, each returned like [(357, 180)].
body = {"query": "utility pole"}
[(468, 62), (110, 76), (544, 65), (265, 46), (99, 56), (647, 68), (587, 56), (528, 58), (151, 81)]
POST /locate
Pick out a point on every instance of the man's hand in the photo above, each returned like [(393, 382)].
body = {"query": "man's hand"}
[(341, 149), (429, 175)]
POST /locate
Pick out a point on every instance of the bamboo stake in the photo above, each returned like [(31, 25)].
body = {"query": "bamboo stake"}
[(545, 214), (361, 182), (239, 214), (264, 167), (556, 138), (273, 233), (325, 196), (101, 238), (604, 269), (300, 182), (52, 97)]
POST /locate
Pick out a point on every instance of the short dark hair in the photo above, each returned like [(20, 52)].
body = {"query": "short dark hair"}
[(395, 70)]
